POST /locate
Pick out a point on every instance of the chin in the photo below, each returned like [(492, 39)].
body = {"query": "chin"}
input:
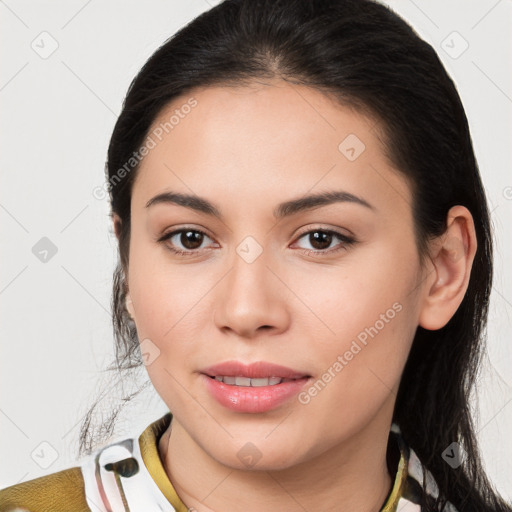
[(249, 457)]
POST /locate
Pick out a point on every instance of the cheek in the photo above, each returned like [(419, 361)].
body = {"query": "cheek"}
[(167, 300), (163, 294), (173, 314), (361, 296), (369, 318), (359, 367)]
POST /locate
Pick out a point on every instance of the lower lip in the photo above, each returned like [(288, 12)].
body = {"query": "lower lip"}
[(253, 399)]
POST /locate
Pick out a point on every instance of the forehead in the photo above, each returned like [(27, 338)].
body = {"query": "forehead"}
[(269, 139)]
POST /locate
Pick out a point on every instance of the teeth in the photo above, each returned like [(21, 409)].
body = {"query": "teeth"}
[(246, 381), (265, 381)]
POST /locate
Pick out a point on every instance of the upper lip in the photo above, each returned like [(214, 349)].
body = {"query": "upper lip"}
[(256, 370)]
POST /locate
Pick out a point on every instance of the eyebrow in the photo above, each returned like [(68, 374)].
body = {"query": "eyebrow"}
[(286, 209)]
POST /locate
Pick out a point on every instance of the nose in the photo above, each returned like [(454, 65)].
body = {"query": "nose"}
[(252, 299)]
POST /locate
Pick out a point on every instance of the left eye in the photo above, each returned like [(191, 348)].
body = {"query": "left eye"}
[(322, 239)]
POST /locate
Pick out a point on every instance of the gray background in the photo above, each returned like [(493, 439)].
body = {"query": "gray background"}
[(58, 111)]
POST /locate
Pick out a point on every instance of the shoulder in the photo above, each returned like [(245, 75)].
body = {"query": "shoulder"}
[(59, 492), (122, 472)]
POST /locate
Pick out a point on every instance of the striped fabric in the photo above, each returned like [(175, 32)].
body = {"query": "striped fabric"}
[(412, 488)]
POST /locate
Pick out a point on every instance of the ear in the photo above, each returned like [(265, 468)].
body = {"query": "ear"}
[(117, 230), (129, 306), (452, 257), (117, 224)]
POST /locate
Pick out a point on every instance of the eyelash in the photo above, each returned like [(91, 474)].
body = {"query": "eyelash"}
[(347, 241)]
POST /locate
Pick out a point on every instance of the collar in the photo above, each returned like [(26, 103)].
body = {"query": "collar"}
[(149, 449), (148, 442), (129, 475)]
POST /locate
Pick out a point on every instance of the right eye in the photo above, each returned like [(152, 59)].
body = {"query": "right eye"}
[(189, 238)]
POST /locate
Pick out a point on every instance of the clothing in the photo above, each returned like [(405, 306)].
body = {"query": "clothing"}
[(129, 475)]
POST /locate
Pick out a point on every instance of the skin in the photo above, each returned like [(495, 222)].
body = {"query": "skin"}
[(247, 149)]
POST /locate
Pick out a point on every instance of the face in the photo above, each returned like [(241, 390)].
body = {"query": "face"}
[(329, 291)]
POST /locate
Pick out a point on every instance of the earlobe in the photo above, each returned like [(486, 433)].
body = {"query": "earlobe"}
[(452, 258)]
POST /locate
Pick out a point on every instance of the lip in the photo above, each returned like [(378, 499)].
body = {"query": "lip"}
[(248, 399), (257, 370)]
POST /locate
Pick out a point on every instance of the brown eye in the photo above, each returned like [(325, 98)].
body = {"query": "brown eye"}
[(191, 239), (184, 241), (321, 239)]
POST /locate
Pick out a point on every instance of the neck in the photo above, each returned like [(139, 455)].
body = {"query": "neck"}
[(352, 476)]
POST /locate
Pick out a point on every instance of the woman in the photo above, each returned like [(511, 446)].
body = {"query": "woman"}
[(305, 269)]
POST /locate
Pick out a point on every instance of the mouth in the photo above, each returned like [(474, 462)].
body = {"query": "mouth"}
[(257, 374), (248, 382), (255, 388)]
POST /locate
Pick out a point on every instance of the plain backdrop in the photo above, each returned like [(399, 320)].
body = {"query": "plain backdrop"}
[(66, 66)]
